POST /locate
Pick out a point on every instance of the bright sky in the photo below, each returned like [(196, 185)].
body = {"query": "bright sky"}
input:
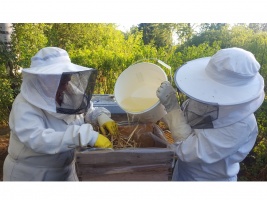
[(134, 12)]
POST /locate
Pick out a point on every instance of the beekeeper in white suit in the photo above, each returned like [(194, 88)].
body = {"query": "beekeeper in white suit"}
[(215, 128), (51, 116)]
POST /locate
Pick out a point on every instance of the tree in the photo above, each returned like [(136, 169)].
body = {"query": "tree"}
[(184, 31), (211, 26), (159, 35), (27, 40), (257, 27), (5, 43)]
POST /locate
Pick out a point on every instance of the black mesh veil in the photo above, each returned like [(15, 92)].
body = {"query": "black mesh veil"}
[(200, 115), (75, 91)]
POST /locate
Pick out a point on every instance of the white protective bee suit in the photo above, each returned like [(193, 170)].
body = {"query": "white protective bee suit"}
[(215, 129), (44, 134)]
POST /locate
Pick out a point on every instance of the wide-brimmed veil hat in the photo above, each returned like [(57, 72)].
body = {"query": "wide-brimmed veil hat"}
[(229, 77), (50, 70), (52, 60)]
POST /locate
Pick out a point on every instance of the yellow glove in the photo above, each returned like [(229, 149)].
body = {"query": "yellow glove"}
[(102, 142), (106, 123)]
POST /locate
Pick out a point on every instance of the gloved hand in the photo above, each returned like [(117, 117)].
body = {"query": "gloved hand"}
[(85, 135), (102, 142), (177, 124), (106, 123), (175, 119), (167, 96)]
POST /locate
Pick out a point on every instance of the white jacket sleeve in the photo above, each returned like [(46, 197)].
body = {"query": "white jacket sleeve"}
[(212, 145), (93, 113), (49, 136)]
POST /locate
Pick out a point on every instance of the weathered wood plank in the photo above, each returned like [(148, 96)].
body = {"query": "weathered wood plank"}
[(130, 173), (129, 164), (137, 156)]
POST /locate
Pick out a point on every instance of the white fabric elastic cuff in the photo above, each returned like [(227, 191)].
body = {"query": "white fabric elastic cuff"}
[(102, 119)]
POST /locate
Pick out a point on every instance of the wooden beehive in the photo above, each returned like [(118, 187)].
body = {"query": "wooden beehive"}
[(127, 164), (138, 164), (149, 160)]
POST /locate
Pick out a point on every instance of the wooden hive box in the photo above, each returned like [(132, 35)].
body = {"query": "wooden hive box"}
[(151, 161), (129, 164)]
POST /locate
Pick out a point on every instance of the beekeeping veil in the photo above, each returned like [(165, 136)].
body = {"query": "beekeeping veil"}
[(222, 89), (56, 85)]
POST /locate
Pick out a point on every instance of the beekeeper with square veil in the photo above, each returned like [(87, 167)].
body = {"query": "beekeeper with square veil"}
[(51, 116), (215, 128)]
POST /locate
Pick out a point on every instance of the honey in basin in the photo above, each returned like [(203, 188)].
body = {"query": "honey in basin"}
[(137, 104)]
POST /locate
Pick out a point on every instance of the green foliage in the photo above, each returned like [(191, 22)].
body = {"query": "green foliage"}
[(236, 36), (6, 97), (111, 56), (27, 39), (254, 167), (256, 27), (159, 35), (257, 44), (185, 31), (202, 50), (239, 36), (210, 34)]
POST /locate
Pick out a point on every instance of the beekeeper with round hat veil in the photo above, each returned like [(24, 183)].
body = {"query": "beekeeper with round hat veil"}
[(51, 116), (215, 128)]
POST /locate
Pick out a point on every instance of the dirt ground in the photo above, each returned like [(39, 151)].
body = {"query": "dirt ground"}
[(4, 141)]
